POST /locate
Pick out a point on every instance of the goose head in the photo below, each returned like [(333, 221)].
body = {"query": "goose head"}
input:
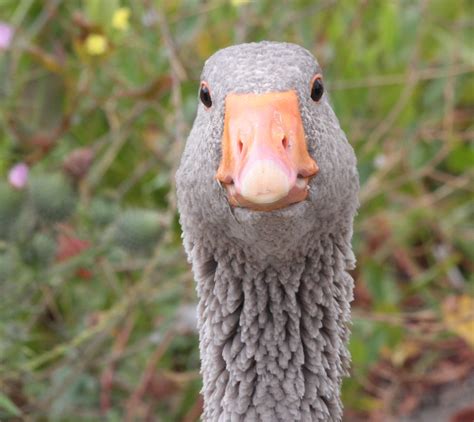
[(266, 158)]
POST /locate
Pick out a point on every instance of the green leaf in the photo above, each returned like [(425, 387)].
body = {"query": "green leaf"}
[(101, 11), (388, 26), (461, 158), (7, 405)]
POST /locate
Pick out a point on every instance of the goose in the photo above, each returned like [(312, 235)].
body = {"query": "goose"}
[(267, 190)]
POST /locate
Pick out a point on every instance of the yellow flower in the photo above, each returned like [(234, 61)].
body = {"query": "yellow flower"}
[(120, 19), (238, 3), (96, 44)]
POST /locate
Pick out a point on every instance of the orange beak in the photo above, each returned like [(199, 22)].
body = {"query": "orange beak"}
[(265, 163)]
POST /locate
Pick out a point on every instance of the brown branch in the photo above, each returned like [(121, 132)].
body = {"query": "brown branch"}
[(195, 412), (147, 376), (107, 376), (178, 75), (176, 65)]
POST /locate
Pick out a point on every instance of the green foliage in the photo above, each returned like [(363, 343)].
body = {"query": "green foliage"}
[(102, 211), (7, 405), (52, 197), (138, 230), (40, 251), (100, 12), (93, 279), (10, 203), (7, 266)]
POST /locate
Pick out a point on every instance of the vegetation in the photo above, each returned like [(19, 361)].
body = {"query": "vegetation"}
[(96, 100)]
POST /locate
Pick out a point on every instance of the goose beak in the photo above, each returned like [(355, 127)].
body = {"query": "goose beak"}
[(265, 162)]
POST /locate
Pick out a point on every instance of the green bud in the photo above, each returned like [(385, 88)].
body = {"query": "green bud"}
[(103, 211), (138, 230), (40, 251), (52, 197)]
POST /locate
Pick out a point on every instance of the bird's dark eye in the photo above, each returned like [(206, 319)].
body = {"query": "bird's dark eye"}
[(205, 95), (317, 88)]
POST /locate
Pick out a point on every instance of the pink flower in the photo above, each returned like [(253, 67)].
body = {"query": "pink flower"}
[(18, 175), (6, 35)]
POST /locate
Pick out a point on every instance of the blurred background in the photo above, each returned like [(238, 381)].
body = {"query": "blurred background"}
[(97, 301)]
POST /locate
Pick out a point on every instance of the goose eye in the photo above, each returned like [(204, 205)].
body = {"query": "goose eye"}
[(317, 88), (205, 95)]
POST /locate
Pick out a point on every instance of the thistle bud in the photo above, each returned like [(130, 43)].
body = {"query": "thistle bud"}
[(52, 197), (138, 230), (78, 162)]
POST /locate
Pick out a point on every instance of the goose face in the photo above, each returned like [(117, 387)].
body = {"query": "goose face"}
[(266, 146)]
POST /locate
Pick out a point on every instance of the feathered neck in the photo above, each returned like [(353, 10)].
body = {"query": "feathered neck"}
[(273, 336)]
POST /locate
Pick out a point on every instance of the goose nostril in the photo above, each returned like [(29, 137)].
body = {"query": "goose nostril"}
[(285, 143), (240, 145)]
